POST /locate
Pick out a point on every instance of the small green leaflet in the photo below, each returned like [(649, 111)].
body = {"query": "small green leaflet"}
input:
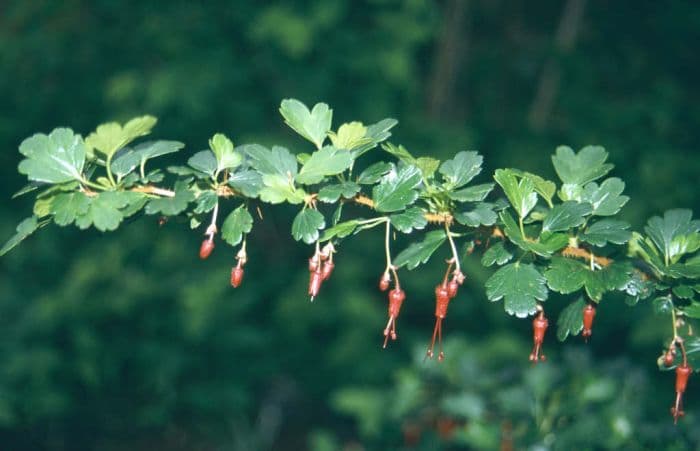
[(581, 168), (312, 125), (397, 189), (674, 224), (331, 193), (607, 199), (374, 173), (350, 136), (407, 221), (427, 166), (475, 193), (237, 223), (246, 181), (399, 152), (420, 252), (340, 230), (606, 231), (377, 133), (104, 210), (571, 319), (461, 169), (482, 214), (683, 291), (566, 276), (204, 161), (24, 229), (170, 206), (66, 207), (226, 157), (566, 215), (152, 149), (125, 160), (275, 161), (307, 224), (520, 286), (324, 162), (206, 201), (55, 158), (521, 193), (662, 305), (279, 188), (497, 254), (110, 137), (548, 243)]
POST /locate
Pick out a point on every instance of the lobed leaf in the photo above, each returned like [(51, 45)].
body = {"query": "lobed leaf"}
[(520, 286)]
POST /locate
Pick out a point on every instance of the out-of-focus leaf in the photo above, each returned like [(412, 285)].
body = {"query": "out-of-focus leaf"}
[(24, 229), (570, 321)]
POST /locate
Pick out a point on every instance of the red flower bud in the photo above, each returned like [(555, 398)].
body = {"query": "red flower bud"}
[(588, 315), (236, 276), (452, 288), (315, 283), (206, 248), (327, 269), (384, 281)]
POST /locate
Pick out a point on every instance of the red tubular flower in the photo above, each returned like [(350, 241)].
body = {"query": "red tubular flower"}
[(682, 374), (236, 276), (442, 301), (588, 315), (327, 269), (396, 298), (539, 325), (315, 280), (206, 248), (384, 281)]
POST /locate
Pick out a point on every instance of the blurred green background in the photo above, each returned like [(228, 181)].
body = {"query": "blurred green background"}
[(127, 341)]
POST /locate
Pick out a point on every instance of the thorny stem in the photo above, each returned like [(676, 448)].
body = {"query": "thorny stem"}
[(455, 255)]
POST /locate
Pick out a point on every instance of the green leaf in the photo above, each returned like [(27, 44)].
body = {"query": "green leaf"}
[(399, 152), (153, 149), (420, 252), (104, 211), (56, 158), (397, 189), (683, 291), (606, 231), (324, 162), (571, 319), (206, 202), (331, 193), (606, 198), (520, 286), (278, 188), (236, 224), (482, 214), (427, 166), (566, 215), (24, 229), (674, 224), (340, 230), (566, 276), (170, 206), (461, 169), (548, 243), (374, 173), (110, 137), (475, 193), (307, 224), (662, 305), (275, 161), (312, 125), (377, 133), (407, 221), (691, 311), (125, 160), (204, 161), (66, 207), (544, 188), (247, 182), (581, 168), (496, 254), (226, 157), (521, 193), (350, 136)]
